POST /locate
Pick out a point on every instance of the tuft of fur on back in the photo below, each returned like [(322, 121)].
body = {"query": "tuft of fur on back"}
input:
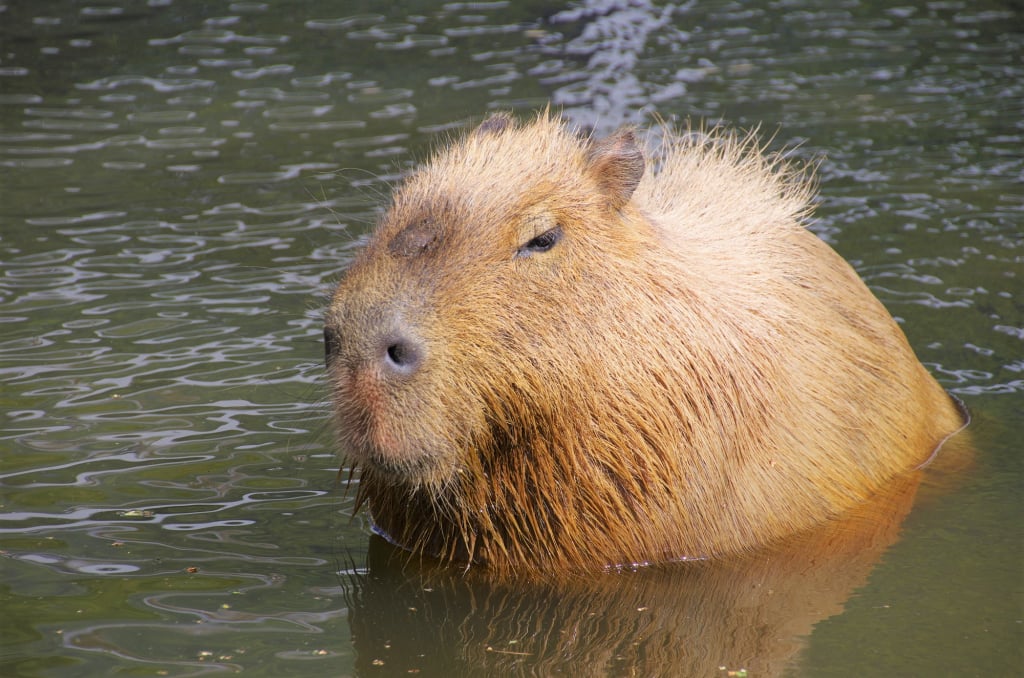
[(628, 356)]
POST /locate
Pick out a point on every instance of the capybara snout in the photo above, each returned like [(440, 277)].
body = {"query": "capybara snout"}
[(402, 355), (557, 354)]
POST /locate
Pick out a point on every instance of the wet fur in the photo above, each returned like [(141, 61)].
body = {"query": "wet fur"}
[(689, 372)]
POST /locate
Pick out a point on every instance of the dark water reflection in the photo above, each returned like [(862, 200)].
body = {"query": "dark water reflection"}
[(180, 184), (696, 619)]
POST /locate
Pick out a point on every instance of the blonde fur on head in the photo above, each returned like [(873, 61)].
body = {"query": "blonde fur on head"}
[(558, 354)]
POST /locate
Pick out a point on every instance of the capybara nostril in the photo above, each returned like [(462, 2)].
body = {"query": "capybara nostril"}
[(402, 355)]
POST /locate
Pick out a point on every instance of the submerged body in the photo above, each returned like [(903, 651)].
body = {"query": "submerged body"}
[(557, 355)]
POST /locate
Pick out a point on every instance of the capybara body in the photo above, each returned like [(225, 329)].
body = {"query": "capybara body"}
[(557, 355)]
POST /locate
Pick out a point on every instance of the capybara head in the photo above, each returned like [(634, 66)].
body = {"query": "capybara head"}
[(557, 354)]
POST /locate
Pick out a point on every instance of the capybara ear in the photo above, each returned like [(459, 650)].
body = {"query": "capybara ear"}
[(617, 164), (496, 122)]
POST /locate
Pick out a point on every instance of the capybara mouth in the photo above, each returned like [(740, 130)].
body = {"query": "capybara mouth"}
[(371, 441), (368, 445), (410, 469)]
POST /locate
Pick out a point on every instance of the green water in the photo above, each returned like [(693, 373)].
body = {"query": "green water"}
[(181, 183)]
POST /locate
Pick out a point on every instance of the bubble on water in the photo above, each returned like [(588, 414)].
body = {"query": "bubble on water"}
[(105, 568)]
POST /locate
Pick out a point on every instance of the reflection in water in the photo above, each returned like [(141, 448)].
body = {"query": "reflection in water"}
[(691, 619)]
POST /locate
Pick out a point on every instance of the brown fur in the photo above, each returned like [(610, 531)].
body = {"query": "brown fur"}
[(687, 372)]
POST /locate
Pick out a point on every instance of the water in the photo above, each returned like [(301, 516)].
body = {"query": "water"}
[(181, 183)]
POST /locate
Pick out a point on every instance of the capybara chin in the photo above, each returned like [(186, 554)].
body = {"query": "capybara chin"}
[(558, 354)]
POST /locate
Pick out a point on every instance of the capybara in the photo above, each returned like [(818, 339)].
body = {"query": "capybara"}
[(557, 354)]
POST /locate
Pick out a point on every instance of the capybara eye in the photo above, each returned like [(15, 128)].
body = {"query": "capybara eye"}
[(542, 242)]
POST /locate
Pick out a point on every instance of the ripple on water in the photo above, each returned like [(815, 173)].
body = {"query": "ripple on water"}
[(157, 84), (391, 111), (292, 126), (219, 36), (407, 42), (145, 327), (297, 112), (258, 72), (345, 23), (18, 99), (69, 113), (185, 143), (124, 166), (37, 163), (322, 80), (162, 117), (295, 97), (382, 31), (370, 93), (72, 125), (371, 141), (261, 177)]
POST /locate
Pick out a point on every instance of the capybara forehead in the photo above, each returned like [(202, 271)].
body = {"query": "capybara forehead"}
[(488, 179)]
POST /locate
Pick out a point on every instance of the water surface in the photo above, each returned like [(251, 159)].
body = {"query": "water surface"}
[(180, 185)]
